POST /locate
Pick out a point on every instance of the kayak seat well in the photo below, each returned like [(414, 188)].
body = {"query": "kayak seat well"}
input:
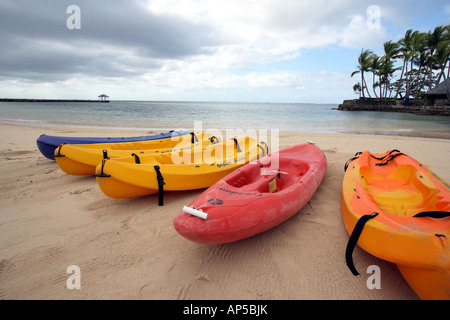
[(403, 191), (264, 179)]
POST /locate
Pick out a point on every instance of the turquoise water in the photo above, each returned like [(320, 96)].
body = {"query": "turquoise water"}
[(217, 115)]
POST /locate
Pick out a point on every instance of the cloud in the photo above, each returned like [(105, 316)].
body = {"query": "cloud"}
[(143, 48), (134, 36), (363, 32), (118, 39)]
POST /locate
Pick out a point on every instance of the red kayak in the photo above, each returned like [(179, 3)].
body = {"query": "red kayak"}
[(254, 198)]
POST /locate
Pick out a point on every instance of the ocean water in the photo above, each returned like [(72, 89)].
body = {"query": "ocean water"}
[(302, 117)]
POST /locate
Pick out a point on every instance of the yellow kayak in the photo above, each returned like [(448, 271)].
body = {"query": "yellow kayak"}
[(82, 159), (196, 168)]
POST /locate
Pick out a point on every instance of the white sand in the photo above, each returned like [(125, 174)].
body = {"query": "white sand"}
[(128, 249)]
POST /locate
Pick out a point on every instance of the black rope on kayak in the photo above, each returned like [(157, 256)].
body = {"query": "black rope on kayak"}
[(351, 159), (102, 174), (432, 214), (386, 158), (386, 155), (389, 159), (194, 138), (105, 154), (59, 155), (136, 158), (354, 237), (161, 184), (237, 145)]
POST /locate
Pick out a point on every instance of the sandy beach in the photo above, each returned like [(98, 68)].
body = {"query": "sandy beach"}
[(129, 249)]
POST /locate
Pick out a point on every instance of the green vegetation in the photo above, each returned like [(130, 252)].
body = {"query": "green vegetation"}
[(425, 61)]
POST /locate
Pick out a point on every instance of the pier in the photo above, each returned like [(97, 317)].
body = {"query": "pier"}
[(51, 100)]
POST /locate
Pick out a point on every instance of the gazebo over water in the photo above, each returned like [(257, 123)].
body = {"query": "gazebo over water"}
[(103, 98)]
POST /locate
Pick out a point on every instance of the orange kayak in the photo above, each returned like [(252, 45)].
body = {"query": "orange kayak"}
[(397, 209)]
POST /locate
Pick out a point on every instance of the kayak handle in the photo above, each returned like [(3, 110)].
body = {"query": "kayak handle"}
[(59, 155), (195, 212)]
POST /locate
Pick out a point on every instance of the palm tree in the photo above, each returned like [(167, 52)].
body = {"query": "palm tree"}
[(435, 59), (416, 47), (405, 54), (357, 89), (391, 54), (447, 38), (386, 73), (413, 46), (391, 50), (426, 61), (364, 61), (420, 58), (375, 67), (442, 57)]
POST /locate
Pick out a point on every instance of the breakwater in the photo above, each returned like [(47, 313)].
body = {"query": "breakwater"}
[(421, 107), (51, 100)]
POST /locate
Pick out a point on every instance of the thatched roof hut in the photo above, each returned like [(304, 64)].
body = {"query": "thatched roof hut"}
[(441, 91)]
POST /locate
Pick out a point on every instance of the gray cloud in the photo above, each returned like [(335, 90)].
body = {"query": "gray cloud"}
[(117, 38), (191, 48)]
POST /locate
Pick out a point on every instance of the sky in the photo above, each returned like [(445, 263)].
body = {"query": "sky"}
[(289, 51)]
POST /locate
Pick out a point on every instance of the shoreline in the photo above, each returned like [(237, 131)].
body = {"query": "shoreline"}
[(128, 249), (413, 133), (419, 133)]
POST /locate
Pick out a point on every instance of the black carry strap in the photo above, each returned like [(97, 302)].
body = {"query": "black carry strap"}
[(102, 175), (194, 138), (136, 158), (385, 159), (356, 233), (351, 159), (265, 145), (433, 214), (263, 150), (354, 237), (391, 157), (237, 145), (386, 155), (59, 155), (161, 184)]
